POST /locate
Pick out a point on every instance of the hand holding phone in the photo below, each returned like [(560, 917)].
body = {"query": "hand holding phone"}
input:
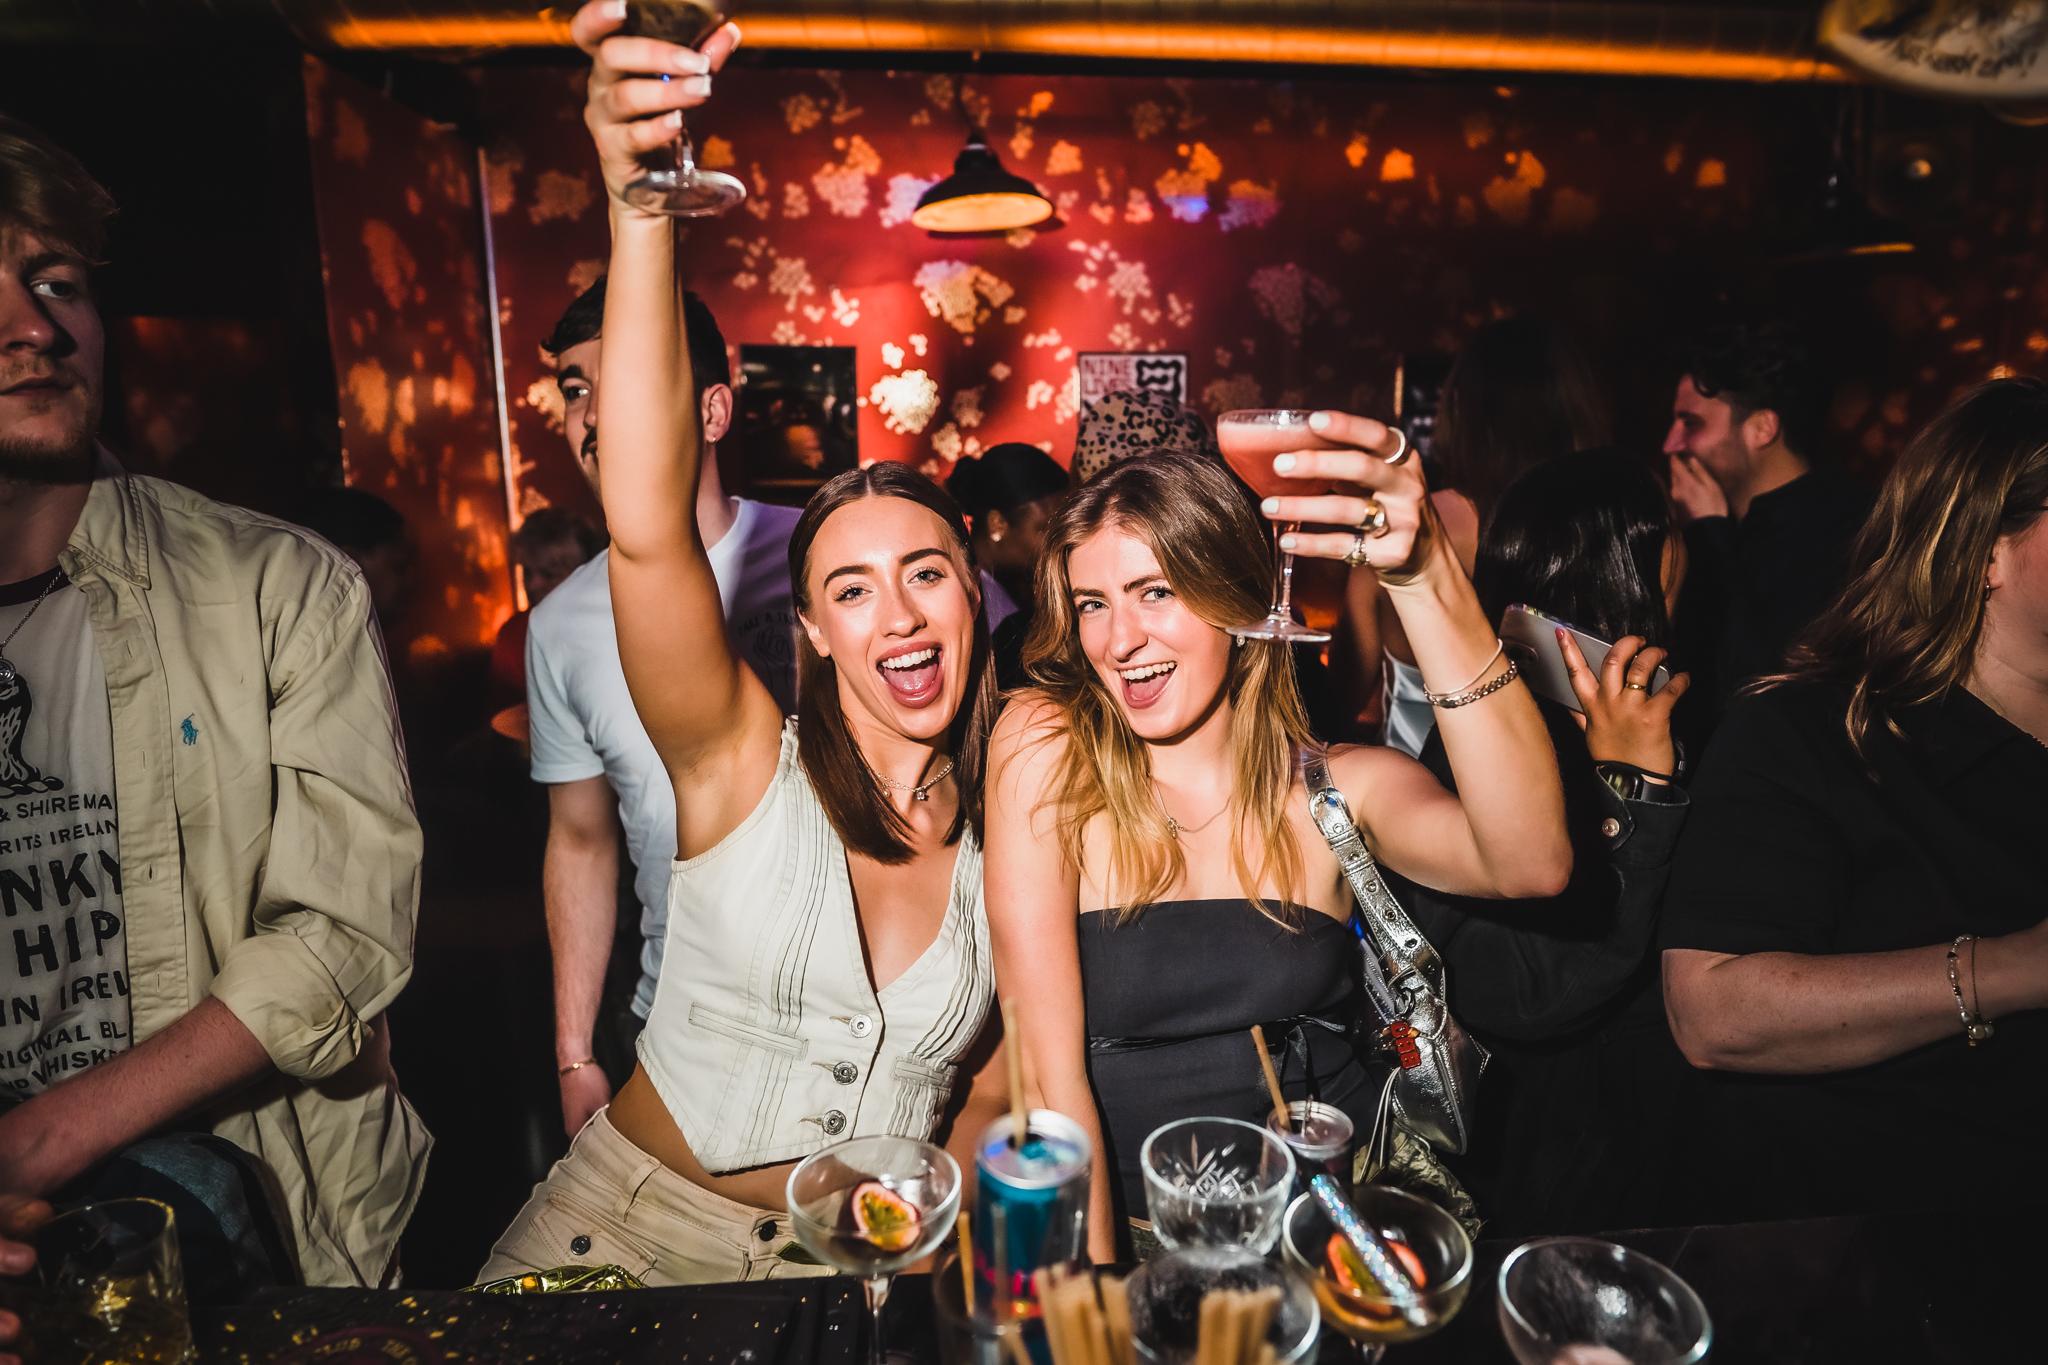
[(1622, 692)]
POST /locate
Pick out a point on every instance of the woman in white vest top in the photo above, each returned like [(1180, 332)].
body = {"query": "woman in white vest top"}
[(827, 965)]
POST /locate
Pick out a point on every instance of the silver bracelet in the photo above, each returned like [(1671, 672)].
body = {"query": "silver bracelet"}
[(1976, 1027), (1471, 691)]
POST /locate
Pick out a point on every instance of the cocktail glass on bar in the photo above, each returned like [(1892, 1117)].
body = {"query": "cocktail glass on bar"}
[(1216, 1182), (1249, 439), (1429, 1243), (1583, 1301), (1319, 1135), (680, 187), (871, 1206), (108, 1286)]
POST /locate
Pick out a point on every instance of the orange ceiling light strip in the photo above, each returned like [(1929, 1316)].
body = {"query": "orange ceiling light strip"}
[(1326, 46)]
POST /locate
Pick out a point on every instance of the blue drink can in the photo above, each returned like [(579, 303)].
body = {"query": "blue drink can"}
[(1041, 1189)]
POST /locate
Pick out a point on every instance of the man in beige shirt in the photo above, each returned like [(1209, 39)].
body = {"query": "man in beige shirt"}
[(209, 863)]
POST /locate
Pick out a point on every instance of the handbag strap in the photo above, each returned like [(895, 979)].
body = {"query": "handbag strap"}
[(1411, 964)]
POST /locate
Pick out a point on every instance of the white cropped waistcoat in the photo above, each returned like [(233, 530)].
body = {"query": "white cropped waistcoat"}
[(767, 1040)]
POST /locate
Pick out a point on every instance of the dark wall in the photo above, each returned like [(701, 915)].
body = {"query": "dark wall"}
[(219, 374)]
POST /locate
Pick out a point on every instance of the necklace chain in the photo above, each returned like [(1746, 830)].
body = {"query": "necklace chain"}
[(922, 790), (1174, 828), (7, 670)]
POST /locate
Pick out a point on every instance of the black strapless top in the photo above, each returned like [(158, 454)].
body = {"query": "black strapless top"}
[(1171, 996)]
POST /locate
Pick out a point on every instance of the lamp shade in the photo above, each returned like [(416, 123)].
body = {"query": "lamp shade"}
[(980, 196)]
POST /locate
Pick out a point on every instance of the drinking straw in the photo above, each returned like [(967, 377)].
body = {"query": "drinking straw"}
[(1371, 1248), (1013, 1058), (1116, 1312), (965, 1226), (1209, 1335), (1280, 1111)]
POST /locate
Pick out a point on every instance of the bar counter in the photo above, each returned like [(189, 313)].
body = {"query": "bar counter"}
[(1944, 1287)]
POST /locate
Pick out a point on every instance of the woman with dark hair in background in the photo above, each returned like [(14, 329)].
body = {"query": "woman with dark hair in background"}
[(1563, 990), (1008, 494), (1520, 391), (1854, 941), (827, 970)]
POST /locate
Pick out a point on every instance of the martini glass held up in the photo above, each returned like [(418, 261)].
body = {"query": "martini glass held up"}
[(675, 184)]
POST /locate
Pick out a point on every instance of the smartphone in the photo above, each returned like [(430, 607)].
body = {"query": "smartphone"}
[(1531, 637)]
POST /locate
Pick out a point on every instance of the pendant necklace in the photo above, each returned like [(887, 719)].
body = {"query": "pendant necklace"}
[(922, 791), (1174, 828), (8, 672)]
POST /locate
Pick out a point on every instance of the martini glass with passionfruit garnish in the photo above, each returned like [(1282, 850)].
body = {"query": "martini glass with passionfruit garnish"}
[(1435, 1259), (871, 1206)]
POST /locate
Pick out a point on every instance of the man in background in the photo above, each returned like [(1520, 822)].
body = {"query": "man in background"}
[(589, 748), (1767, 531)]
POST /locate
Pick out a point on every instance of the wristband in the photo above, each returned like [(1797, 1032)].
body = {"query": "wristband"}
[(575, 1066)]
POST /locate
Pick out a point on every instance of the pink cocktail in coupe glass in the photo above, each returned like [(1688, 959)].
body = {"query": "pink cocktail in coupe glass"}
[(1249, 439)]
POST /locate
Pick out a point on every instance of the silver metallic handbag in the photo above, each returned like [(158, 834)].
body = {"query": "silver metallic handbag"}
[(1437, 1064)]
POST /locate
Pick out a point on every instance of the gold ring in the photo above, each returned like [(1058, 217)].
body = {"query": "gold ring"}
[(1375, 521), (1636, 686), (1401, 451)]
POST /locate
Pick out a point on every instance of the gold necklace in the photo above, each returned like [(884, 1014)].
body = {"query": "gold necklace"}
[(1174, 828)]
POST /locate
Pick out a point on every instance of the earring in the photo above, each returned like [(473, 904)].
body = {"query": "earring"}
[(995, 537)]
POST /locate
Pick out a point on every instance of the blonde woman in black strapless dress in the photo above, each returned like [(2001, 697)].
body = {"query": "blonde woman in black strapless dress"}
[(1155, 884)]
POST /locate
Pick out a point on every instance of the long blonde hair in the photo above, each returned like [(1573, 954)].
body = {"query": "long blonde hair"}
[(1904, 632), (1213, 551)]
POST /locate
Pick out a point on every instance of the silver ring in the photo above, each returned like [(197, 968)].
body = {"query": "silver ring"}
[(1359, 557), (1400, 453), (1375, 523)]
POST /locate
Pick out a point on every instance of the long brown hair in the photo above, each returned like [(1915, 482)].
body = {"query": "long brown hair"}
[(1904, 632), (1213, 551), (864, 819)]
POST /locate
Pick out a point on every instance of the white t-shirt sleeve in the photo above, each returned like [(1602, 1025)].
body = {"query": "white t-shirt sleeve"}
[(562, 751)]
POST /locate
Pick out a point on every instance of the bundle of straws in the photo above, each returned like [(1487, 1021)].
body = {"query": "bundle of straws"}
[(1233, 1327), (1087, 1321)]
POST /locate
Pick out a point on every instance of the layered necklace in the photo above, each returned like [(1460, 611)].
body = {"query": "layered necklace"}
[(8, 672)]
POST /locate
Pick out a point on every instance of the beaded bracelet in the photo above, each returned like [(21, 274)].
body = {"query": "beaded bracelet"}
[(1976, 1027)]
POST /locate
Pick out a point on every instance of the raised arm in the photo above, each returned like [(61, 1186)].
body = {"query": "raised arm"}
[(1032, 914), (1504, 833), (699, 702)]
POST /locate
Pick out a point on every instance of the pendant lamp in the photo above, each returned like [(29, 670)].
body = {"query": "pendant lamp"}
[(980, 196)]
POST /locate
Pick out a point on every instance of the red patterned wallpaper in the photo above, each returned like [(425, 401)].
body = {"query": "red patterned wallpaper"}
[(401, 238), (1294, 238)]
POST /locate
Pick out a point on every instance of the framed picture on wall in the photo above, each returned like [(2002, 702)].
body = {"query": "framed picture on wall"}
[(1105, 372), (795, 424)]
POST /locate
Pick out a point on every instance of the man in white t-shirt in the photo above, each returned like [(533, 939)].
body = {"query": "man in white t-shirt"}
[(588, 744)]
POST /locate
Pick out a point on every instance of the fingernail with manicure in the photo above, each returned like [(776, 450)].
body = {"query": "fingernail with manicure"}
[(1318, 421), (1282, 463), (1287, 543), (1270, 505), (615, 9)]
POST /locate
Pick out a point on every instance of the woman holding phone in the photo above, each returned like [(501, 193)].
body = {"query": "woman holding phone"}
[(1562, 989)]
